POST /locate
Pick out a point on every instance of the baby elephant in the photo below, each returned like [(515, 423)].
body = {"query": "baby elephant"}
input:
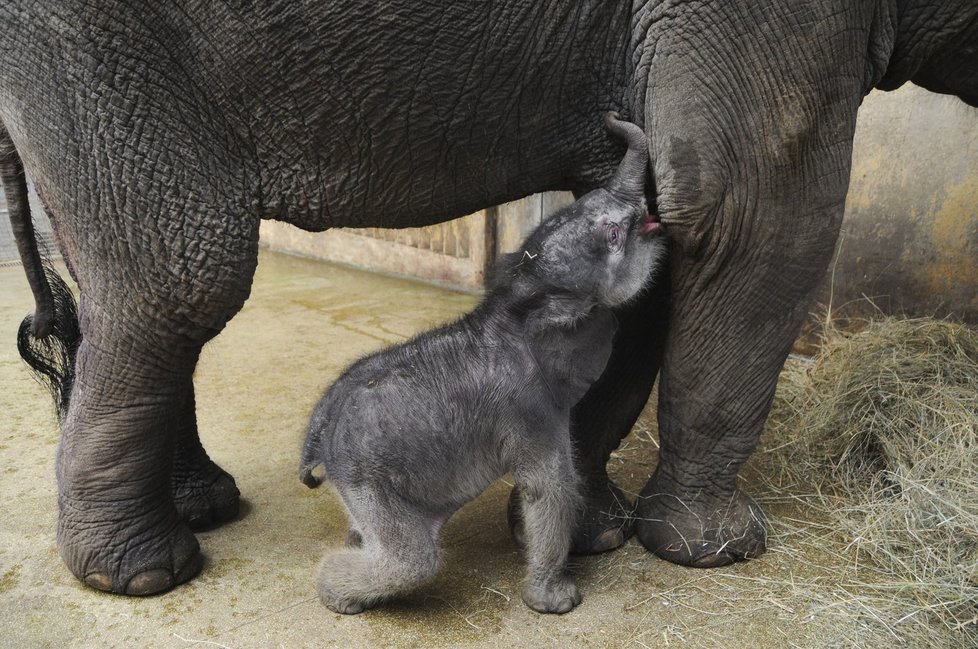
[(412, 433)]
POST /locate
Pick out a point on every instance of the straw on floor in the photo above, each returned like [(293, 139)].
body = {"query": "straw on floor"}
[(884, 426)]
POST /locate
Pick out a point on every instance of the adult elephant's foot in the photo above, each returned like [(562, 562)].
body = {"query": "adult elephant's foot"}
[(604, 524), (110, 550), (697, 530), (607, 520), (204, 494)]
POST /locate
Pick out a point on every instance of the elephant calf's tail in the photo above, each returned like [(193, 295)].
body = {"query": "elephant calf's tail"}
[(48, 339), (311, 459)]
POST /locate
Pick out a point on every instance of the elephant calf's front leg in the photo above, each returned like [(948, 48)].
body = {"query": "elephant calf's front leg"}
[(550, 504)]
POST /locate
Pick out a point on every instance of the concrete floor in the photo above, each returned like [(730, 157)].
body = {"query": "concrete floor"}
[(256, 385)]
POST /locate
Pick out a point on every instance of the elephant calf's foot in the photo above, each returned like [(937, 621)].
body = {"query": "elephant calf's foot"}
[(698, 532), (559, 597), (205, 496), (141, 555), (605, 523), (351, 582)]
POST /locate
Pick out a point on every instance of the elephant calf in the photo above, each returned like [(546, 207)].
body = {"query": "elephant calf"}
[(412, 433)]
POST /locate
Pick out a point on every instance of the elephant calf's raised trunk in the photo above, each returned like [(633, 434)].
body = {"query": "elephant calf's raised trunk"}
[(629, 180)]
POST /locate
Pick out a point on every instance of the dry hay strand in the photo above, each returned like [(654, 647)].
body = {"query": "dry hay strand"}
[(884, 427)]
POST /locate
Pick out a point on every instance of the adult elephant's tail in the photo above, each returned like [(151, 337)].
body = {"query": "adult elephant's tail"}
[(48, 339)]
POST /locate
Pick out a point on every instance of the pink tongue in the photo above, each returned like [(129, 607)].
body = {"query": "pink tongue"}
[(650, 224)]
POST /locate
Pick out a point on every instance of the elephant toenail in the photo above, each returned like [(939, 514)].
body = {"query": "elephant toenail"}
[(608, 540), (713, 560), (190, 569), (200, 521), (99, 581), (150, 582)]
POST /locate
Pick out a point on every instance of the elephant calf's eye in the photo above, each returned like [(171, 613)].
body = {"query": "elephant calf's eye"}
[(616, 237)]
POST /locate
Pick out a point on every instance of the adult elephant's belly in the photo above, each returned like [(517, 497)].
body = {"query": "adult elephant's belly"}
[(430, 118), (407, 167)]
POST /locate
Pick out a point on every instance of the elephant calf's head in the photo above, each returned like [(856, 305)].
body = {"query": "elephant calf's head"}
[(601, 249)]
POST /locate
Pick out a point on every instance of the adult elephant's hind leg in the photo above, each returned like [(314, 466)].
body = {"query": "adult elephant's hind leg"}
[(118, 529), (129, 427), (203, 493)]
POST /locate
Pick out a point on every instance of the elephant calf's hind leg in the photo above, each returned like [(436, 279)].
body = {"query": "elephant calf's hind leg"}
[(393, 552)]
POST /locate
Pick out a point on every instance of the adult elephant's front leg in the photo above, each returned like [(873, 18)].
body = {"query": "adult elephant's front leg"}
[(607, 413), (751, 112), (733, 325)]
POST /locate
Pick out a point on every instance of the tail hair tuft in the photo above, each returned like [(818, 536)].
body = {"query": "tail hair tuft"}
[(52, 357)]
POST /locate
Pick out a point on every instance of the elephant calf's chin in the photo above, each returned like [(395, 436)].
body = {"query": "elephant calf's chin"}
[(410, 434)]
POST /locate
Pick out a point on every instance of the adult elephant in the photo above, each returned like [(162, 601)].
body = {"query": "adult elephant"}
[(159, 133)]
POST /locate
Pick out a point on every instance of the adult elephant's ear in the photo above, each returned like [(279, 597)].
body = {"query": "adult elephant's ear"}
[(571, 355)]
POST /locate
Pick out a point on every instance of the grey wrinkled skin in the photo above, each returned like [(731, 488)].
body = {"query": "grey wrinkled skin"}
[(160, 133), (410, 434)]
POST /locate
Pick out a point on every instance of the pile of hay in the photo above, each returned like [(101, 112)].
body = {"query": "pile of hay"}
[(885, 427)]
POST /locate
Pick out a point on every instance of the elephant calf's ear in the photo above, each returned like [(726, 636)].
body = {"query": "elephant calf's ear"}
[(571, 357)]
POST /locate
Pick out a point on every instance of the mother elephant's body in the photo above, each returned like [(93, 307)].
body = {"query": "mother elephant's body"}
[(160, 133)]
